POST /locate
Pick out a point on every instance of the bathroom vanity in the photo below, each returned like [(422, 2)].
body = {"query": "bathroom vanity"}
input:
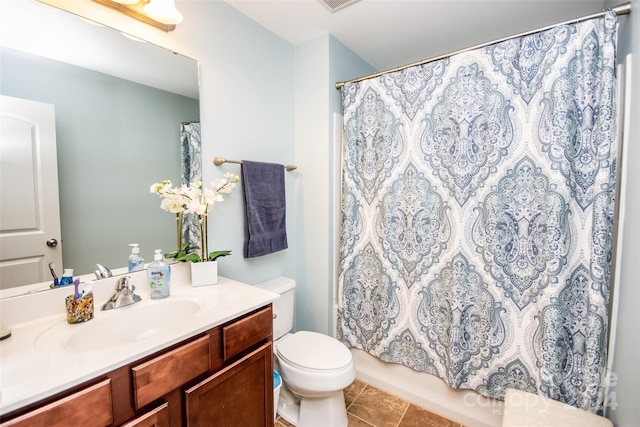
[(211, 364)]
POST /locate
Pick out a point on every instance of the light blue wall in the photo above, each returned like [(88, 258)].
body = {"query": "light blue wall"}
[(311, 154), (345, 65), (247, 110), (319, 64)]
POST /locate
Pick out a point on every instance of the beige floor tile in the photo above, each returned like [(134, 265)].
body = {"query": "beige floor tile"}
[(419, 417), (368, 406), (378, 407), (357, 422), (351, 392)]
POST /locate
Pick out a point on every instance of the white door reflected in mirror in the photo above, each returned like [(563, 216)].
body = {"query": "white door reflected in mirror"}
[(29, 212)]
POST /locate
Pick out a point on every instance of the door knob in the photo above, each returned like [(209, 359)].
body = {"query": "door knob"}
[(52, 243)]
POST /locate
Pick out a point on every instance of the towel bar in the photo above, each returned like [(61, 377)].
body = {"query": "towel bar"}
[(220, 160)]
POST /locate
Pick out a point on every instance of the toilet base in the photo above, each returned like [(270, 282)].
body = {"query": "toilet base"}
[(327, 411), (288, 405)]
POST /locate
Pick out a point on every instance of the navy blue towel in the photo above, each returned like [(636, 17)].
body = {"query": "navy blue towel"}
[(265, 208)]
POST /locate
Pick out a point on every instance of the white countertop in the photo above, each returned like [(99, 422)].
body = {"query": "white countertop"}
[(34, 364)]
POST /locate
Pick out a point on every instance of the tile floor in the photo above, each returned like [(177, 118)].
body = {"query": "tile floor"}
[(368, 406)]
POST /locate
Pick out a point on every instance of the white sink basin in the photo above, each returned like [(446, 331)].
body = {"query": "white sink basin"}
[(120, 326)]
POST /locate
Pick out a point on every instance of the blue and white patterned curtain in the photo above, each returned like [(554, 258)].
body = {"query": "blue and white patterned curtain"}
[(190, 170), (478, 211)]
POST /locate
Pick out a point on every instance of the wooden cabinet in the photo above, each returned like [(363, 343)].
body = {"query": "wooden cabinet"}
[(220, 377), (160, 375), (158, 417), (91, 403), (238, 336), (238, 395)]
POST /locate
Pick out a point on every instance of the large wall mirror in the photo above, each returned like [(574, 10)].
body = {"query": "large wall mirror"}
[(119, 105)]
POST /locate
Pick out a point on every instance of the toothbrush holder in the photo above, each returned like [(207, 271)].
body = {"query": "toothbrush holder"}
[(79, 310)]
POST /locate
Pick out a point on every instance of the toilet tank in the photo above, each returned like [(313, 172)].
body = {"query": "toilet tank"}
[(283, 306)]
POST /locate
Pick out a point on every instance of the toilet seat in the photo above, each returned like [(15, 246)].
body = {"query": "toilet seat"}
[(314, 351)]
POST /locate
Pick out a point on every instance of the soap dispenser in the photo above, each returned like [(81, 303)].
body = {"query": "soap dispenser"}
[(136, 261), (159, 274)]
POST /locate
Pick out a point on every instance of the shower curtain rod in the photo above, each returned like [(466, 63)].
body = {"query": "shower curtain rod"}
[(622, 9)]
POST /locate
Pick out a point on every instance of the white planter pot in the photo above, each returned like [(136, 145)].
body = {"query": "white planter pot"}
[(204, 273)]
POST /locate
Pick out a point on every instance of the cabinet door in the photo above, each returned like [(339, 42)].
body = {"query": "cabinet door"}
[(239, 395)]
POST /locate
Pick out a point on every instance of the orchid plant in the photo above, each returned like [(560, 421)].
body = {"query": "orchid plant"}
[(193, 199)]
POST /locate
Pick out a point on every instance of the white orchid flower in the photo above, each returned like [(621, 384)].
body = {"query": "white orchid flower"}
[(193, 198), (172, 204), (160, 187)]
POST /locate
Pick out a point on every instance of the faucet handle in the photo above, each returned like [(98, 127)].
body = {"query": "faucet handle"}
[(123, 294), (122, 283)]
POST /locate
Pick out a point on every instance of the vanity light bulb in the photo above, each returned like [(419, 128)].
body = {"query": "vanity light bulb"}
[(163, 11), (126, 1)]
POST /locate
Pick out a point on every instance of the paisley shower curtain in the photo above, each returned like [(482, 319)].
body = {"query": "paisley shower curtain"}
[(190, 170), (477, 214)]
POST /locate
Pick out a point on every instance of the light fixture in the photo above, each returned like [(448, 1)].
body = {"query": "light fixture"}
[(159, 13), (163, 11)]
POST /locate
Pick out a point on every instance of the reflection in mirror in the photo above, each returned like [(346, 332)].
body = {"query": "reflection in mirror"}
[(115, 137)]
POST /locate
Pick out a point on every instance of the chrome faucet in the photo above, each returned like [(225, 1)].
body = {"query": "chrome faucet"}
[(102, 272), (123, 295)]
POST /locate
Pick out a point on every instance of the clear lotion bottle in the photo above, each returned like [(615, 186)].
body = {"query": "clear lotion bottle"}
[(159, 274)]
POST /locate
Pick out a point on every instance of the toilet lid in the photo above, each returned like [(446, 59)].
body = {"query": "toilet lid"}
[(314, 350)]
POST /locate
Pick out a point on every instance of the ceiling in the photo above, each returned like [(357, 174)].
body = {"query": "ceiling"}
[(391, 33)]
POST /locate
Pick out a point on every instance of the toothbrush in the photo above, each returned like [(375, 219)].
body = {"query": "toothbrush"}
[(52, 267), (76, 294)]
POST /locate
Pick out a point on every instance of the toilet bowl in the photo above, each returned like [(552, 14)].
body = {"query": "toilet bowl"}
[(315, 367)]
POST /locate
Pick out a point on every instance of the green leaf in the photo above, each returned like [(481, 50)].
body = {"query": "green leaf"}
[(190, 257), (184, 254), (217, 254)]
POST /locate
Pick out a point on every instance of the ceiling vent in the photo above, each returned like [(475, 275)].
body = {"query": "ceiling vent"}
[(336, 5)]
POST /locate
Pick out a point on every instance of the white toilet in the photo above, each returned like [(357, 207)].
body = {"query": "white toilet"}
[(315, 368)]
